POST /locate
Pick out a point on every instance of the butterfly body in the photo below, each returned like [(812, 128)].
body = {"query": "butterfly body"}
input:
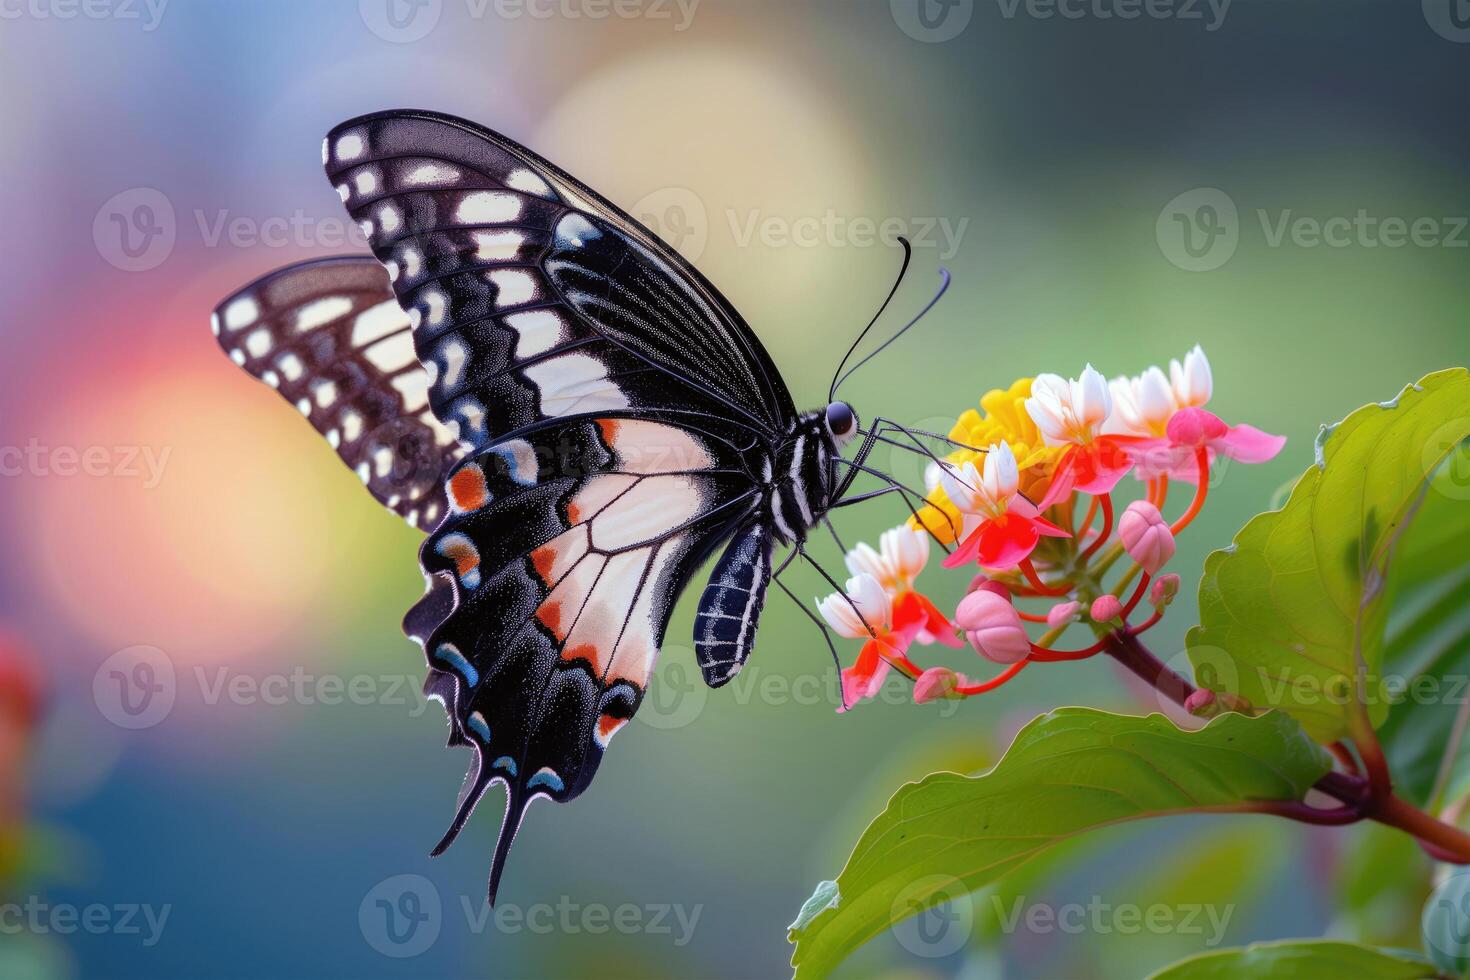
[(592, 422)]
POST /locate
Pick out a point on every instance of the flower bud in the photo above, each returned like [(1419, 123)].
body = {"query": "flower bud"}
[(983, 581), (1200, 702), (1163, 591), (1064, 614), (937, 683), (993, 627), (1106, 608), (1146, 536)]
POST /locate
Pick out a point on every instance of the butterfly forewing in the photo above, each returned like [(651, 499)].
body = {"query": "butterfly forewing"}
[(329, 336)]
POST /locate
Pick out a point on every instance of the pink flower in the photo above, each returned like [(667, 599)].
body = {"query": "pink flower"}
[(1001, 527), (993, 627), (1146, 536), (1106, 608), (864, 611), (1167, 418), (937, 683)]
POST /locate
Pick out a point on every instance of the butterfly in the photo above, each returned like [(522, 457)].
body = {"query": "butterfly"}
[(574, 415)]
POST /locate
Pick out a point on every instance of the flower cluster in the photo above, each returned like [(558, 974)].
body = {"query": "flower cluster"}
[(1029, 499)]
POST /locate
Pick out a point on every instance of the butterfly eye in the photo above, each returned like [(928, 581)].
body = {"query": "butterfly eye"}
[(840, 419)]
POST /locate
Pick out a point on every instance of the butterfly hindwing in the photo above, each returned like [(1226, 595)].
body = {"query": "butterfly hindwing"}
[(329, 336), (565, 550)]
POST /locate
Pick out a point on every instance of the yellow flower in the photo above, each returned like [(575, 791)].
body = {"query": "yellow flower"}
[(1004, 420)]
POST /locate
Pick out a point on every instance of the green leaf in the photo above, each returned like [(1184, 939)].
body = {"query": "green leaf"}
[(1294, 610), (1301, 959), (1427, 653), (1068, 772)]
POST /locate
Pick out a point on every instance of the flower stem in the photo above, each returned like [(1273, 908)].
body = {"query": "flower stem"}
[(1040, 587), (1361, 799)]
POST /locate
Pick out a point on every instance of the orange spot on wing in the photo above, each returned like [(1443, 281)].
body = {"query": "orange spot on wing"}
[(550, 615), (574, 514), (583, 651), (607, 725), (543, 559), (609, 429), (467, 490), (463, 554)]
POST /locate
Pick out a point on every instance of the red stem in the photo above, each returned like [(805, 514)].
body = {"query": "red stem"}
[(1045, 655)]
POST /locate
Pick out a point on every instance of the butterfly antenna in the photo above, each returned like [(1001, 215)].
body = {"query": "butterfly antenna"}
[(944, 280), (908, 253)]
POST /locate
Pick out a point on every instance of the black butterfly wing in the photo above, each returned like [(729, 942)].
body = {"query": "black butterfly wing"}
[(531, 296), (552, 582), (330, 337), (616, 403)]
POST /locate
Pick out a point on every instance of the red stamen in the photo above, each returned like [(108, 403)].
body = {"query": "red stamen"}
[(1107, 528), (1202, 459), (1041, 588), (1137, 595), (1043, 655), (1030, 617), (994, 682), (1081, 534)]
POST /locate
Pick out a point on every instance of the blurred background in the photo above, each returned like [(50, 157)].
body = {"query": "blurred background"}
[(215, 759)]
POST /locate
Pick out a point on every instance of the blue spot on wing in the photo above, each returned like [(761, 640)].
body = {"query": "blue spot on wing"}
[(547, 778), (447, 653)]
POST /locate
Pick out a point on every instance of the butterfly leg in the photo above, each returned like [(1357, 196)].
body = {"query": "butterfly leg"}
[(816, 621)]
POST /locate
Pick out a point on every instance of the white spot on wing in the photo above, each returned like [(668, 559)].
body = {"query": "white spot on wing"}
[(513, 287), (367, 182), (497, 246), (414, 387), (429, 174), (393, 353), (454, 355), (259, 343), (530, 182), (350, 146), (241, 313), (537, 331), (488, 208), (520, 460), (573, 383), (322, 311), (290, 366), (378, 322)]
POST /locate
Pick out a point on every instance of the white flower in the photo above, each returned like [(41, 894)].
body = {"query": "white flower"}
[(1069, 412), (1192, 381), (988, 493), (901, 555), (1142, 405), (874, 609), (906, 551)]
